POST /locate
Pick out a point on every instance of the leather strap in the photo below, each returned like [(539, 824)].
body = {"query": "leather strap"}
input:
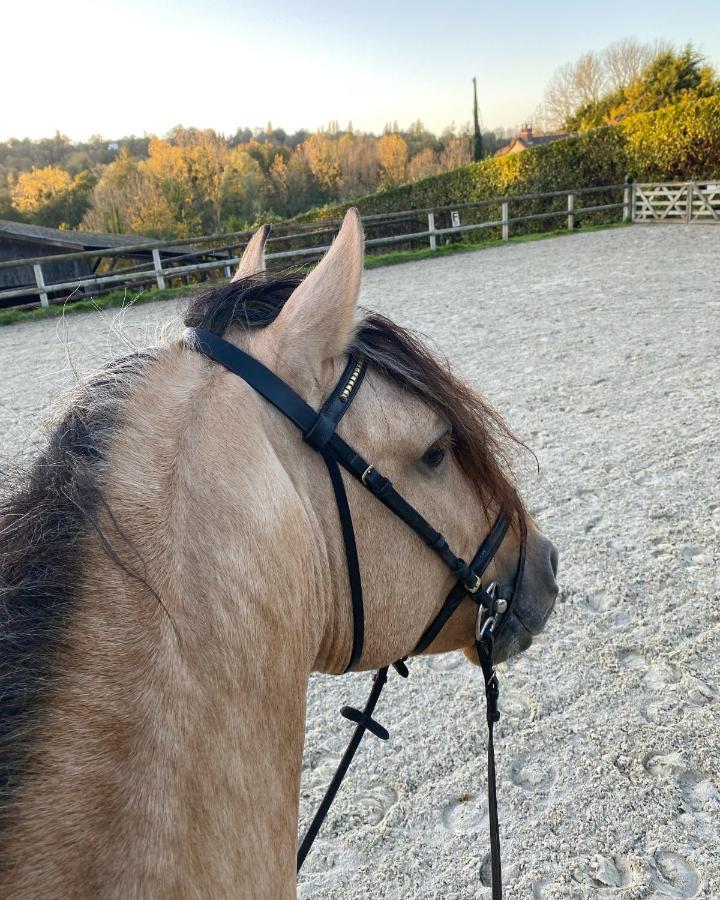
[(363, 720), (479, 564), (353, 565), (485, 651)]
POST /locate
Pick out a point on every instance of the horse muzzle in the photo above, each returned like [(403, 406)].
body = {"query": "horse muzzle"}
[(531, 606)]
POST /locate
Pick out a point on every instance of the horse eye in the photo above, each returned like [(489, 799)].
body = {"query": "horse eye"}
[(434, 457)]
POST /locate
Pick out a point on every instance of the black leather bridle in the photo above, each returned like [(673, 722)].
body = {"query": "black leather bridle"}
[(319, 430)]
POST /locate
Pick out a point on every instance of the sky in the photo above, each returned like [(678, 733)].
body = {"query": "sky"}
[(85, 67)]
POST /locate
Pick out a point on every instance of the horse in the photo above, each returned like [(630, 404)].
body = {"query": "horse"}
[(172, 571)]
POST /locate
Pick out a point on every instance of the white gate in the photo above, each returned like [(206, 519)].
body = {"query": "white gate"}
[(684, 202)]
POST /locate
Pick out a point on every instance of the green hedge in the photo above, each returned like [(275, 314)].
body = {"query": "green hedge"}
[(675, 142)]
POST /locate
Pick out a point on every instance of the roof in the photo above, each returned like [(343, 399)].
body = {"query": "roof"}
[(545, 138), (80, 240), (523, 143)]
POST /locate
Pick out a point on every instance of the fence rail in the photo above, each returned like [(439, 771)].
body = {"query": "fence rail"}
[(300, 242)]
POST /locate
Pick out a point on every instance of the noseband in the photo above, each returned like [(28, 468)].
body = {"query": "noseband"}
[(319, 430)]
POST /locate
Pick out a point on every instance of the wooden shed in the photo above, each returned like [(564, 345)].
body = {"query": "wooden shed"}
[(21, 241)]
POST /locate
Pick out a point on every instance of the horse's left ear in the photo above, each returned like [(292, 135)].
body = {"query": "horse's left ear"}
[(317, 322), (253, 259)]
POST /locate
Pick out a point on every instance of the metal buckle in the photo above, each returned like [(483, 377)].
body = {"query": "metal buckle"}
[(365, 474), (487, 615), (487, 627)]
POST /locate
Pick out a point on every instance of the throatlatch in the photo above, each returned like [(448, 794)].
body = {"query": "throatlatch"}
[(319, 431)]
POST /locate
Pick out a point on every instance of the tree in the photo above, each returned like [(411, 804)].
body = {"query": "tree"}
[(456, 151), (667, 78), (165, 207), (625, 59), (358, 165), (321, 151), (626, 77), (116, 196), (478, 149), (423, 165), (39, 188), (242, 191), (572, 86), (52, 197), (393, 158)]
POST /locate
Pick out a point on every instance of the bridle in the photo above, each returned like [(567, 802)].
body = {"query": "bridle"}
[(319, 430)]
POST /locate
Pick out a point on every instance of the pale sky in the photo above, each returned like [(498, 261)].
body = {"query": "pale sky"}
[(142, 66)]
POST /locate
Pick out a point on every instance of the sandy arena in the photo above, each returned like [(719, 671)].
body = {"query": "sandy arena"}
[(602, 350)]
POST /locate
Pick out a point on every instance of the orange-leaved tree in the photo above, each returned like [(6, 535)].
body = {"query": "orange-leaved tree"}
[(392, 151)]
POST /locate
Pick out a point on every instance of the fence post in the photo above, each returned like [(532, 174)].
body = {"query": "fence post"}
[(228, 269), (158, 269), (629, 199), (690, 194), (571, 211), (505, 220), (431, 229), (41, 285)]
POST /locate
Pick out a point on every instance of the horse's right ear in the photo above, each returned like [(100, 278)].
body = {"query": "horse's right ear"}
[(253, 259), (318, 320)]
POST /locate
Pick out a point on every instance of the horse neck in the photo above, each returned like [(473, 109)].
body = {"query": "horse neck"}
[(172, 748)]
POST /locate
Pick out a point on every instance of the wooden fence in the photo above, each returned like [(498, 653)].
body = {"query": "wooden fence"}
[(682, 201), (298, 243)]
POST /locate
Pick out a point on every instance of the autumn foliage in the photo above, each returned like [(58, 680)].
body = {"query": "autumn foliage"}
[(647, 110), (674, 143), (196, 181)]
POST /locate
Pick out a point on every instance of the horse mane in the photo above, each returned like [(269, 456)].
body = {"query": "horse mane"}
[(48, 513)]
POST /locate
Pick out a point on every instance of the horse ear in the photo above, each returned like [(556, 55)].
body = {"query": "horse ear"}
[(317, 322), (253, 259)]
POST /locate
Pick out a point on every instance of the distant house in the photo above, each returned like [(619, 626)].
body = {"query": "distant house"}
[(21, 241), (526, 139)]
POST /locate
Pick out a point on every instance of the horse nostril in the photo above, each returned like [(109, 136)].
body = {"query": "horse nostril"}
[(554, 557)]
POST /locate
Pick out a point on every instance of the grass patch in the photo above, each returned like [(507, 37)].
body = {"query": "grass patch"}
[(113, 300), (403, 256), (118, 299)]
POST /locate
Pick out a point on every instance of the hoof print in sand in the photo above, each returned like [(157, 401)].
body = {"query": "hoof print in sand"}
[(486, 871), (601, 601), (322, 767), (373, 805), (699, 794), (660, 674), (656, 675), (531, 772), (700, 693), (631, 658), (673, 876), (466, 815), (445, 662), (609, 874), (538, 889), (513, 705), (661, 765)]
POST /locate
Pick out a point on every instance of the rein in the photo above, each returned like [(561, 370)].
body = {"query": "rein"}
[(319, 431)]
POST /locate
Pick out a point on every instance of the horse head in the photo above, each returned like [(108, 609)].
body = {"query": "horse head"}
[(442, 446)]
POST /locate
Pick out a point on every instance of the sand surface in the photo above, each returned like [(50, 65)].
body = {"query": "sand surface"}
[(602, 350)]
